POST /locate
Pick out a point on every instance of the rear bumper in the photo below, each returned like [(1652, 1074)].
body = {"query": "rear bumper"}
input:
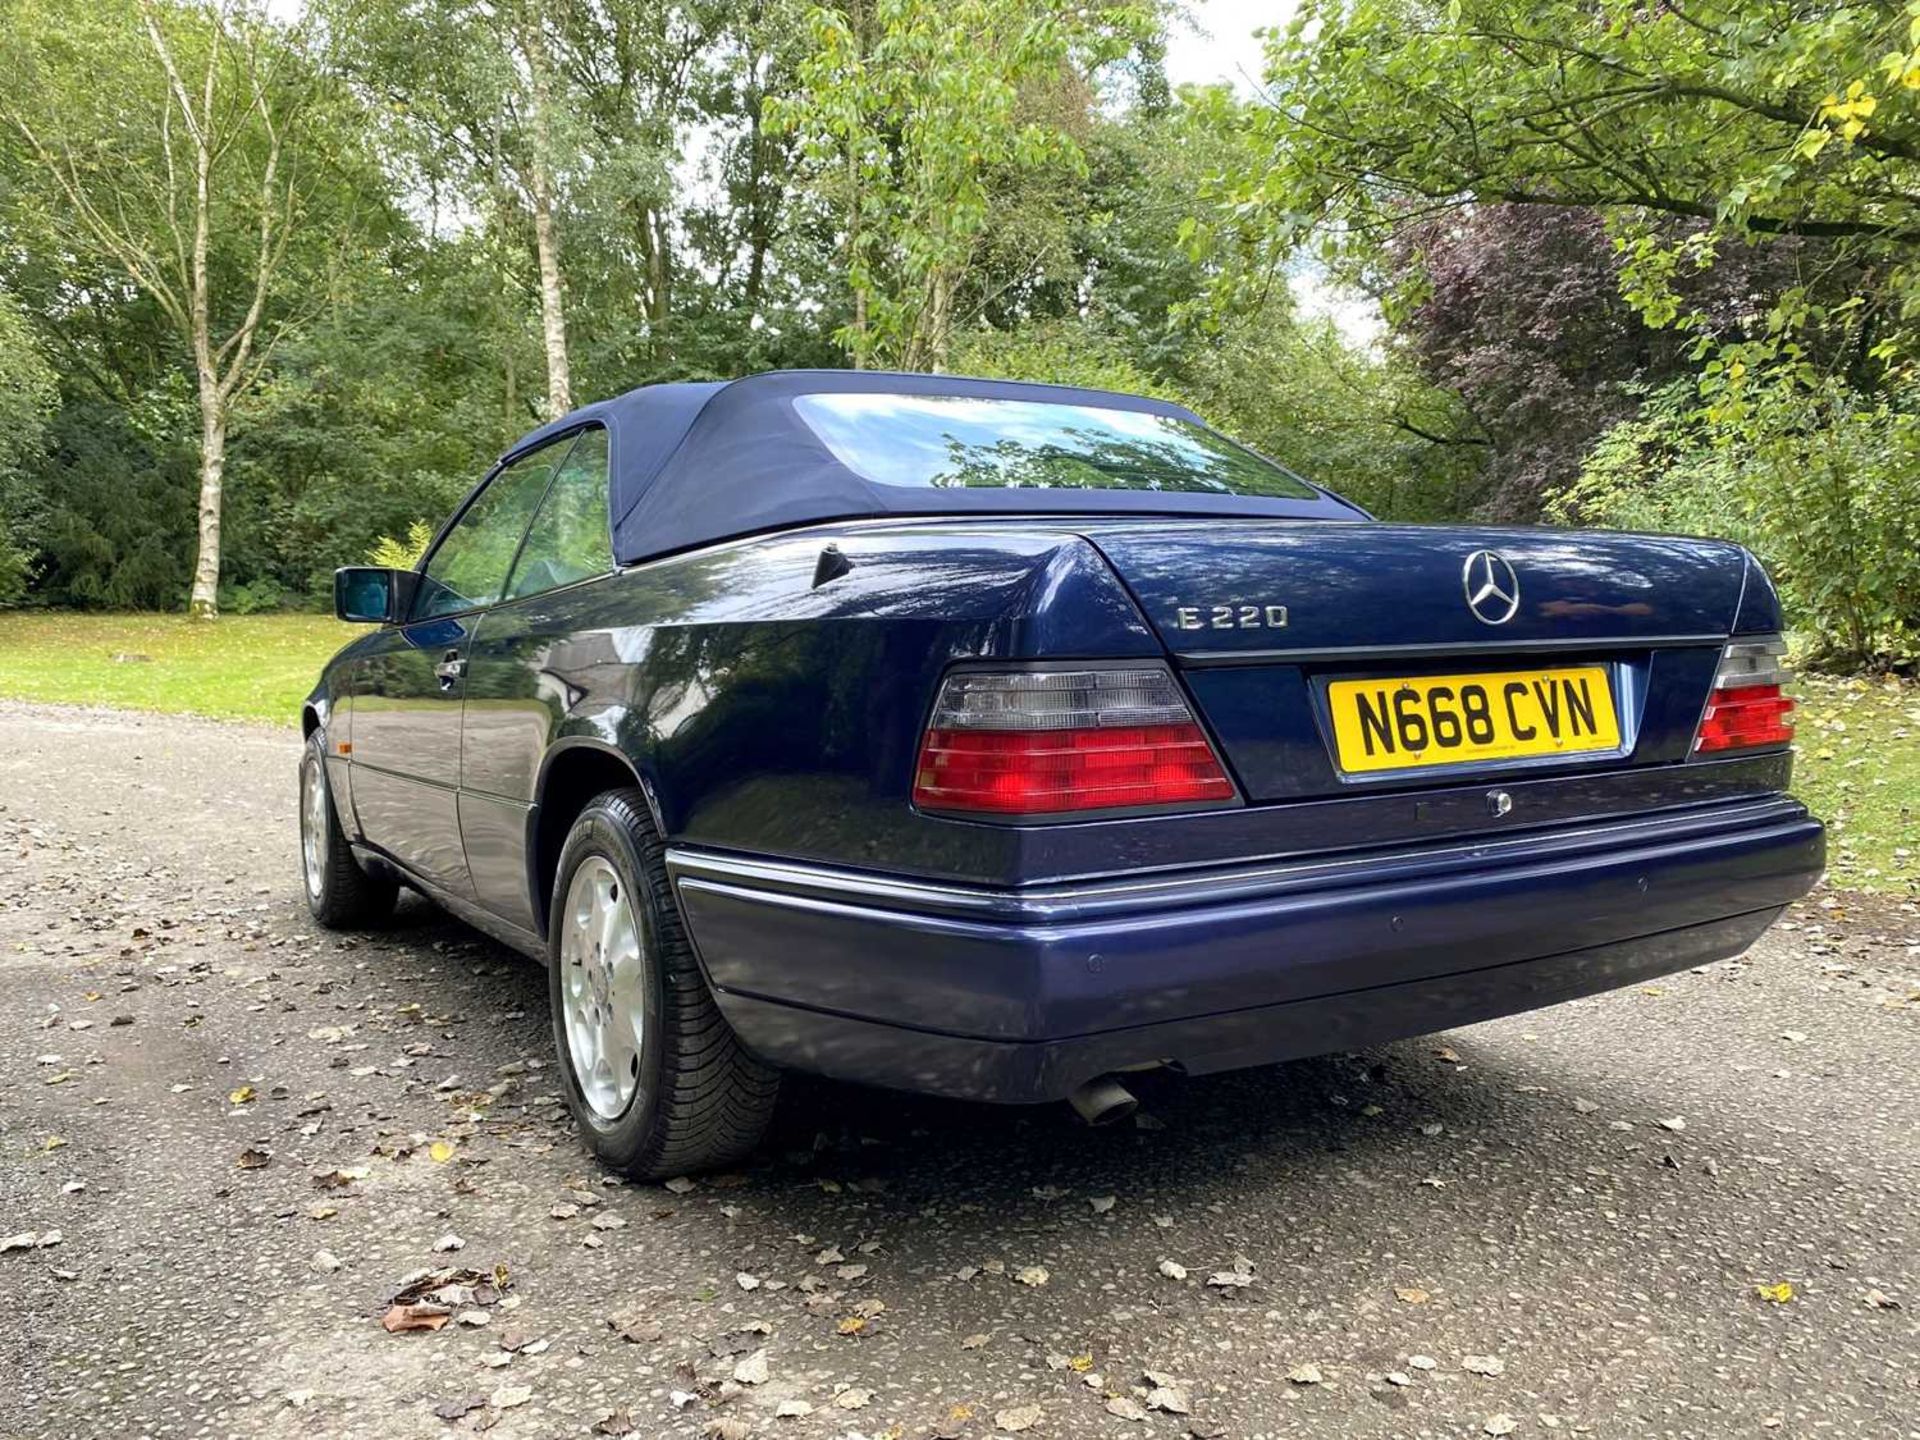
[(1023, 994)]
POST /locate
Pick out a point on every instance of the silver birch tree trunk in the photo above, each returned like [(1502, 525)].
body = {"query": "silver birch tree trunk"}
[(546, 235)]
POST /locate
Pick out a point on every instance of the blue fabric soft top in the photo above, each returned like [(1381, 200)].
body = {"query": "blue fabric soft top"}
[(697, 462)]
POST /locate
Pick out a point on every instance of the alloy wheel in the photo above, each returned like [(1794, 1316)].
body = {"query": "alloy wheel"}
[(313, 829), (602, 987)]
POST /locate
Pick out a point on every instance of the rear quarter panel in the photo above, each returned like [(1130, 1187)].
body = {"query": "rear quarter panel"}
[(769, 714)]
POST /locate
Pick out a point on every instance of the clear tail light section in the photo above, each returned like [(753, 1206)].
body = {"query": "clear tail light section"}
[(1066, 741), (1749, 709)]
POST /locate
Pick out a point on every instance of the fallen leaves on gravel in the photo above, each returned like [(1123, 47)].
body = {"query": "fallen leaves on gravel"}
[(254, 1158), (1880, 1300), (461, 1406), (1675, 1123), (1305, 1375), (1173, 1270), (853, 1398), (1500, 1425), (428, 1299), (973, 1342), (752, 1370), (1483, 1365), (1411, 1295), (1778, 1294), (793, 1410), (1238, 1278), (402, 1318), (30, 1240), (1032, 1275), (636, 1329), (1169, 1399), (618, 1422), (1016, 1418), (508, 1396), (1126, 1408)]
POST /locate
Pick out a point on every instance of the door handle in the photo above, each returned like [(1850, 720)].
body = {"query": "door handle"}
[(450, 669)]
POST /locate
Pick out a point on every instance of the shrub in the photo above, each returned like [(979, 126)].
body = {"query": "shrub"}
[(1823, 483), (402, 554)]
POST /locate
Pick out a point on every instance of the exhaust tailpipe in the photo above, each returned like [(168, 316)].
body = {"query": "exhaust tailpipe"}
[(1103, 1101)]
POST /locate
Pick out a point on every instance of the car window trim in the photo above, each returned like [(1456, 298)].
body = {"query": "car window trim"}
[(500, 466), (507, 596)]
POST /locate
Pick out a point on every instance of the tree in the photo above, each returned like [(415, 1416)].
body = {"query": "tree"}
[(172, 139), (1745, 119), (910, 114), (485, 110), (28, 394)]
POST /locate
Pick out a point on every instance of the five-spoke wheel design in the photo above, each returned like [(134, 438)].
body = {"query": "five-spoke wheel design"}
[(653, 1074), (340, 893), (601, 980), (313, 830)]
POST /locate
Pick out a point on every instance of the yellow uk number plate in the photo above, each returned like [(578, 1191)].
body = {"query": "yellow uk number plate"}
[(1455, 719)]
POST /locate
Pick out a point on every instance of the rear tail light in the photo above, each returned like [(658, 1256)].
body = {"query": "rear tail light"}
[(1048, 742), (1748, 709)]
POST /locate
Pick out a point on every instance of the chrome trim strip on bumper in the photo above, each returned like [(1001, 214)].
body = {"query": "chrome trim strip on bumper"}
[(1044, 904)]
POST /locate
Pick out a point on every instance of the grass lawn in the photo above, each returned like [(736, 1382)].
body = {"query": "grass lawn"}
[(243, 667), (1858, 768), (1858, 765)]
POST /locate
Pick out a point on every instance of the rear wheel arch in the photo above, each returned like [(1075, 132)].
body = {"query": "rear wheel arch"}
[(573, 776)]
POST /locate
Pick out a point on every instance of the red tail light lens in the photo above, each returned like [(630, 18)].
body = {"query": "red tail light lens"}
[(1062, 741), (1748, 709)]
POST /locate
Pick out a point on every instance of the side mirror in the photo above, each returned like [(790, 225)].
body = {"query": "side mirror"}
[(371, 595)]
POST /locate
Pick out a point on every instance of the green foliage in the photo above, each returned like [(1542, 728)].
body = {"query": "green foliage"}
[(914, 119), (1692, 306), (1824, 485), (1059, 352), (402, 554), (28, 394), (109, 511)]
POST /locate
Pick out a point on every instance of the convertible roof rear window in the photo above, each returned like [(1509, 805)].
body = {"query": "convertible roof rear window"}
[(971, 442)]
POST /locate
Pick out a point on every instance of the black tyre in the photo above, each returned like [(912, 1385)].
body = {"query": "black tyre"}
[(652, 1072), (340, 894)]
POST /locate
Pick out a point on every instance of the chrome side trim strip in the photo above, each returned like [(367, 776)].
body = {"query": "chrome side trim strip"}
[(1043, 904), (1465, 650)]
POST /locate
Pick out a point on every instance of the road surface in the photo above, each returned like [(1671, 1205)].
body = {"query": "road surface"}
[(1689, 1209)]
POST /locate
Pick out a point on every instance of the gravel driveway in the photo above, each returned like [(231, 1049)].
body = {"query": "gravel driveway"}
[(229, 1140)]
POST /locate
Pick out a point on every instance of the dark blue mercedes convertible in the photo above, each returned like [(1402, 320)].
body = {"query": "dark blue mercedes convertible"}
[(997, 740)]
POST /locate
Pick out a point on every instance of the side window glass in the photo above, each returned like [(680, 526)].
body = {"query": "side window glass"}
[(568, 541), (468, 569)]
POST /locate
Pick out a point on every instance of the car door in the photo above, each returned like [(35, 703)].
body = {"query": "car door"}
[(531, 663), (410, 689)]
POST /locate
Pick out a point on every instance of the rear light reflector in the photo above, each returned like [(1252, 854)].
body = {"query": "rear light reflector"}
[(1048, 742), (1748, 709)]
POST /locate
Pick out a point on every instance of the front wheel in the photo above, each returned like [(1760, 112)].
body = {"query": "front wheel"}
[(652, 1072), (340, 894)]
